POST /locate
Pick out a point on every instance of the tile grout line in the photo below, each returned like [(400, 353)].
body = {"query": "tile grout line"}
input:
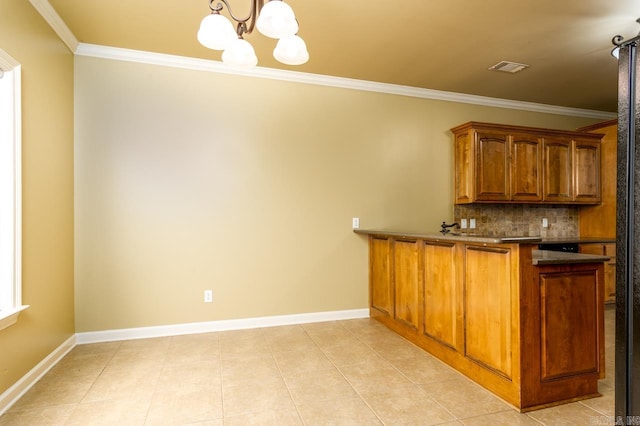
[(348, 381), (275, 360)]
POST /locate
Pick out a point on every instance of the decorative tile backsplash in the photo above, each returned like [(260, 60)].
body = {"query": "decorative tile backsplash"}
[(520, 219)]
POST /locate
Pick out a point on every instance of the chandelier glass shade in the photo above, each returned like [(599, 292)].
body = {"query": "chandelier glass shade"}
[(277, 20), (274, 19), (216, 32), (291, 50), (240, 53)]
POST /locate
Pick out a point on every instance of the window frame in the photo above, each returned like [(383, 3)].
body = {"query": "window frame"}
[(11, 208)]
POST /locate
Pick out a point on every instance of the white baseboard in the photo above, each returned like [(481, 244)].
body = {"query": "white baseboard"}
[(19, 388), (211, 326)]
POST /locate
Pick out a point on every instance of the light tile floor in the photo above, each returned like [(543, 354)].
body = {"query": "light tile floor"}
[(354, 372)]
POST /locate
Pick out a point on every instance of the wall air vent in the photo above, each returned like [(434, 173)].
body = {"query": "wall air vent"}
[(510, 67)]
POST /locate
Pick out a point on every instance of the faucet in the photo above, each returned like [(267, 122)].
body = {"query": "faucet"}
[(445, 227)]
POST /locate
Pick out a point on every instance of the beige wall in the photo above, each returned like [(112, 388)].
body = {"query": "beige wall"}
[(47, 179), (188, 180)]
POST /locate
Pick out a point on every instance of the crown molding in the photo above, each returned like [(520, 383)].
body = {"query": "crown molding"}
[(7, 63), (129, 55), (56, 23)]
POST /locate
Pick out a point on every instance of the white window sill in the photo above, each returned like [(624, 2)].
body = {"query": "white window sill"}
[(10, 317)]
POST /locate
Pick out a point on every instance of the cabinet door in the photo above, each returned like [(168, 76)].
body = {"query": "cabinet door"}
[(586, 169), (407, 282), (492, 166), (570, 317), (489, 302), (380, 273), (464, 169), (442, 295), (526, 168), (558, 170)]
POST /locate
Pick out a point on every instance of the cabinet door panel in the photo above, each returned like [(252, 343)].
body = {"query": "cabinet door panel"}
[(441, 294), (569, 324), (464, 171), (586, 163), (407, 282), (558, 170), (381, 290), (492, 167), (526, 168), (488, 307)]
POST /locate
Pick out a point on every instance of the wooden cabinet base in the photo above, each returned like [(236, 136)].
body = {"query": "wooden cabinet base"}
[(533, 335)]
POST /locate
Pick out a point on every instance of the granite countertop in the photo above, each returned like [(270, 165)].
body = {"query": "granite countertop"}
[(479, 238), (453, 236), (539, 257), (547, 257)]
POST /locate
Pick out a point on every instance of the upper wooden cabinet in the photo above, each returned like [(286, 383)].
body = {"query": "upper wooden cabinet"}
[(511, 164), (600, 220)]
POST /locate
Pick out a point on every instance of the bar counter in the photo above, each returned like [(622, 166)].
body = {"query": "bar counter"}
[(526, 324)]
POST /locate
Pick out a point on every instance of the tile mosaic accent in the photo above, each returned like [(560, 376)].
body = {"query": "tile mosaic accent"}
[(520, 219)]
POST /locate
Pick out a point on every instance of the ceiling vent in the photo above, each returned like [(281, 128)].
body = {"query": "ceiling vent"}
[(510, 67)]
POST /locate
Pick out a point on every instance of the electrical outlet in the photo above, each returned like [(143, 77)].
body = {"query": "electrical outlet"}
[(208, 296), (463, 223), (355, 223), (472, 223), (545, 222)]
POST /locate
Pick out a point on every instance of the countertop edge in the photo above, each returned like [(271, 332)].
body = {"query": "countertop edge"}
[(450, 237), (547, 257), (436, 235)]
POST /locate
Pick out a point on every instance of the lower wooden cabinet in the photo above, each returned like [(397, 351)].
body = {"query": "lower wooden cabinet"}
[(605, 249), (533, 335)]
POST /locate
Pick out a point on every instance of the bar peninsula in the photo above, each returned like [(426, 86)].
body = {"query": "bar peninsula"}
[(526, 324)]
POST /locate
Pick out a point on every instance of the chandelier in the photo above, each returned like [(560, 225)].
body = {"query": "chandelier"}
[(274, 19)]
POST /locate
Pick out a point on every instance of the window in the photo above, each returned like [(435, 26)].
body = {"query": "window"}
[(10, 192)]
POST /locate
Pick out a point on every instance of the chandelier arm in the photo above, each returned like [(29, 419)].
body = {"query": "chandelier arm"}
[(620, 42), (242, 27)]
